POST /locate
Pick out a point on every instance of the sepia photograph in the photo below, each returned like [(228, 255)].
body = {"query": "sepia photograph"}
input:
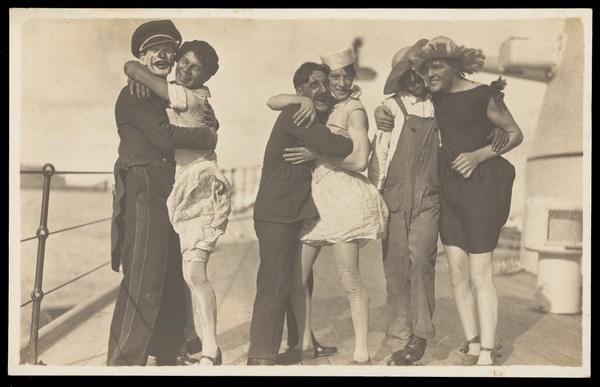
[(300, 192)]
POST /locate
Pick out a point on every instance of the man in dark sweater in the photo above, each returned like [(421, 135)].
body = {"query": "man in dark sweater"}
[(149, 313), (283, 202)]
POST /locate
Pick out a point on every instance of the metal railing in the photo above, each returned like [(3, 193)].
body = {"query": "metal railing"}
[(244, 182)]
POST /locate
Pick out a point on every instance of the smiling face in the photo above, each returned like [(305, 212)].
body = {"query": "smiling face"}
[(413, 83), (440, 74), (190, 71), (159, 58), (317, 88), (341, 83)]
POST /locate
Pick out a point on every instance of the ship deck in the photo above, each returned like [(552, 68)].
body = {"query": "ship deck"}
[(534, 343)]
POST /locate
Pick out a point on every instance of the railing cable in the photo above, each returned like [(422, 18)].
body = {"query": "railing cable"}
[(69, 228), (68, 282)]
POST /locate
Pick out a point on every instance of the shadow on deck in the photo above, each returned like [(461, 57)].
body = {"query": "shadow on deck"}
[(533, 343)]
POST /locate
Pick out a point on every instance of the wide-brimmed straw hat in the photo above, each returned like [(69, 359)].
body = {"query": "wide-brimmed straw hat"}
[(401, 63), (442, 47)]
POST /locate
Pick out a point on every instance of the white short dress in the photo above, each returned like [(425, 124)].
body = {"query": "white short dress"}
[(350, 207), (200, 202)]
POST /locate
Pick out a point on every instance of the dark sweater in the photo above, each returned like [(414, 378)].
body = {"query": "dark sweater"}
[(284, 191)]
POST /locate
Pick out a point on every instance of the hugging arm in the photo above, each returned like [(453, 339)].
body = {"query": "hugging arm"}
[(501, 117), (306, 114), (153, 122), (384, 119), (139, 74), (317, 137), (359, 158)]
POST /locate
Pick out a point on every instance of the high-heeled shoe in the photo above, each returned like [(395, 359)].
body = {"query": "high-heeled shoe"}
[(193, 346), (468, 359), (217, 360)]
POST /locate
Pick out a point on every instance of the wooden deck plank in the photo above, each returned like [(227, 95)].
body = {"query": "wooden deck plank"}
[(529, 337), (234, 303)]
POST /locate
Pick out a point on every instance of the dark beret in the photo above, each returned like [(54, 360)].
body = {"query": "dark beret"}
[(154, 32), (204, 51)]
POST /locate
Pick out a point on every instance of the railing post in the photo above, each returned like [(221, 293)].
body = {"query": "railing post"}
[(38, 294)]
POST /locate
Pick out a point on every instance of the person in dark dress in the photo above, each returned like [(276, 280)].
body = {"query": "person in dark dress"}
[(404, 165), (282, 204), (150, 310), (475, 185)]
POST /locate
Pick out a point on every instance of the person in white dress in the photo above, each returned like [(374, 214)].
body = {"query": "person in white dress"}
[(351, 210), (200, 201)]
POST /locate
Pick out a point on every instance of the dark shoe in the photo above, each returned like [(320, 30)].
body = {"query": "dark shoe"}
[(217, 360), (294, 356), (254, 361), (413, 351), (468, 359), (359, 363), (162, 361), (415, 348), (398, 358), (322, 350), (186, 360), (193, 346)]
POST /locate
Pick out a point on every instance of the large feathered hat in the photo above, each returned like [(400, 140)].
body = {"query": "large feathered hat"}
[(442, 47), (401, 63)]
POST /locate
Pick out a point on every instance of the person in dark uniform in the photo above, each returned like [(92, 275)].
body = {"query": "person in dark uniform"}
[(150, 310), (282, 204)]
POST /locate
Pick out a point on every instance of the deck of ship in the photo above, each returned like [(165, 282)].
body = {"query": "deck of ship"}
[(533, 343)]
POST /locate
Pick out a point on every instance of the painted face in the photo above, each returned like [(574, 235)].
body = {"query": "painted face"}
[(341, 84), (159, 58), (190, 72), (439, 75), (413, 84), (317, 88)]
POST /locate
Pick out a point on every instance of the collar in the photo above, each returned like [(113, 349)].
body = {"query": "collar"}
[(202, 91), (356, 92), (413, 99)]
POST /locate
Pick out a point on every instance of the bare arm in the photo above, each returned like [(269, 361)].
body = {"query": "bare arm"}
[(499, 114), (307, 113), (140, 73), (359, 158)]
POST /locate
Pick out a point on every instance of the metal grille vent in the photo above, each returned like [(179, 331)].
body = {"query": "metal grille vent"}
[(565, 227)]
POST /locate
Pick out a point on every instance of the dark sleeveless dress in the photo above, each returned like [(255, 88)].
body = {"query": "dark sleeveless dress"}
[(473, 210)]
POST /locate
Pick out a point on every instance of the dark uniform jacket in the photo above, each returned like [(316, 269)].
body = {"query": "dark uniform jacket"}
[(147, 139)]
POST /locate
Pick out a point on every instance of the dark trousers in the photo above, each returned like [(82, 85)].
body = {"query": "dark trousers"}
[(278, 244), (290, 317), (149, 313)]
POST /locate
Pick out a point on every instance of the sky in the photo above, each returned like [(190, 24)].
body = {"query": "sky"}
[(67, 70)]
